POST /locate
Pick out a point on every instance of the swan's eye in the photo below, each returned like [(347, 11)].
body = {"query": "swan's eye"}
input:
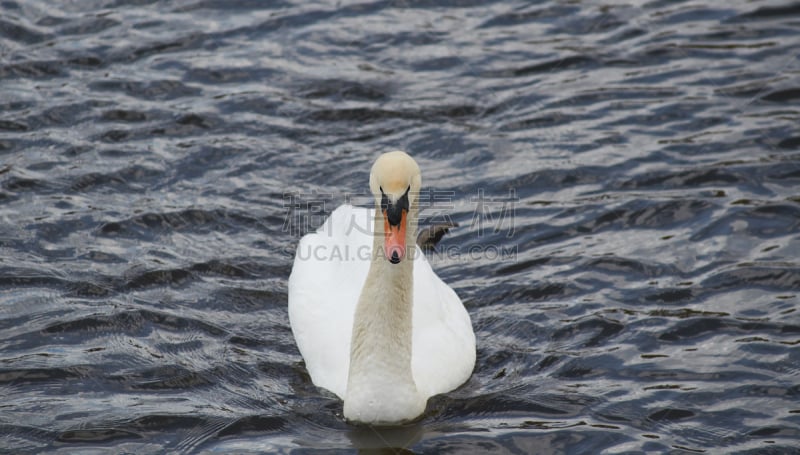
[(402, 203), (384, 202)]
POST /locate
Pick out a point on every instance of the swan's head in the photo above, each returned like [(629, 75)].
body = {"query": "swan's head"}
[(395, 182)]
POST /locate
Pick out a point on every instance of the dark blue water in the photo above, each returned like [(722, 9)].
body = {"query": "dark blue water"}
[(625, 179)]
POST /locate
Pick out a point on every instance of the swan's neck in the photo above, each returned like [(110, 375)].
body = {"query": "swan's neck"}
[(380, 385)]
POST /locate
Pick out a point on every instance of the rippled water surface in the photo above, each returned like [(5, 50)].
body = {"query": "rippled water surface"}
[(625, 179)]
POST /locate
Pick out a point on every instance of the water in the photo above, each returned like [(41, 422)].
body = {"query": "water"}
[(626, 180)]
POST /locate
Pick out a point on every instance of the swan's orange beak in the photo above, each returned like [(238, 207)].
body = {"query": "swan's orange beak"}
[(394, 245)]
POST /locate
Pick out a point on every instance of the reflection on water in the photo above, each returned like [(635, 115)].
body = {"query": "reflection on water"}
[(378, 439), (621, 183)]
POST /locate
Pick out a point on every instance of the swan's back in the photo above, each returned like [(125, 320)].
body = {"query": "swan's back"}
[(329, 271)]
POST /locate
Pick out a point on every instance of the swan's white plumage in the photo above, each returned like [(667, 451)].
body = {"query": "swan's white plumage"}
[(329, 272)]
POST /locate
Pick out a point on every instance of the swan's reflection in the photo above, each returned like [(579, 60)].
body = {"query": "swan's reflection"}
[(390, 440)]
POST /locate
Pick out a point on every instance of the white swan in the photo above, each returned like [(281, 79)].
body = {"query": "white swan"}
[(373, 322)]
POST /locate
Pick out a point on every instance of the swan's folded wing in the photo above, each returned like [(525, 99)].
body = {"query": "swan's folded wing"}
[(443, 340), (329, 270)]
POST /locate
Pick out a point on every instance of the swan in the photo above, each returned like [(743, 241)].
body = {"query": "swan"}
[(375, 325)]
